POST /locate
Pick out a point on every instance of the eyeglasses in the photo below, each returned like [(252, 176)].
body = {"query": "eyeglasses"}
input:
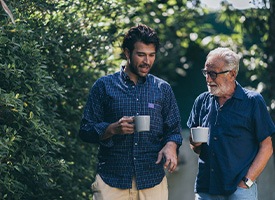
[(213, 75)]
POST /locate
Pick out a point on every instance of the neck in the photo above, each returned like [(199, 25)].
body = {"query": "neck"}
[(133, 77), (223, 98)]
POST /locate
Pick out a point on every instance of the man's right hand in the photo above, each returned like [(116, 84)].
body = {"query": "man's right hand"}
[(195, 146), (123, 126)]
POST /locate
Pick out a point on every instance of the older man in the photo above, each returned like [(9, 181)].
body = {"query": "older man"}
[(239, 144)]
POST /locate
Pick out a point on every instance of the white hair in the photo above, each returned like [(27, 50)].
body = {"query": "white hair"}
[(231, 59)]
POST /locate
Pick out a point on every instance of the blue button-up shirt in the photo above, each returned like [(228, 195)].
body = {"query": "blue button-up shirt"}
[(236, 129), (124, 156)]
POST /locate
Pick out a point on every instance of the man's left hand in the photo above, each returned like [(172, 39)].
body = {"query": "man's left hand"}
[(169, 152)]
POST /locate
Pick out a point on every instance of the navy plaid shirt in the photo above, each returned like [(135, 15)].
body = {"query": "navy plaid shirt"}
[(124, 156)]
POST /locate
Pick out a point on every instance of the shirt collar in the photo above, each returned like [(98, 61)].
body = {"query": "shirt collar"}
[(125, 76), (239, 93)]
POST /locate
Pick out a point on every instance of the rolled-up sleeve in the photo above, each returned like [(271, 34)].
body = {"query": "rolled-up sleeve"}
[(172, 120), (92, 125)]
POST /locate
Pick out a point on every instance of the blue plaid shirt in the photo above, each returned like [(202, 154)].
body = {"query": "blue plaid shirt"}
[(124, 156)]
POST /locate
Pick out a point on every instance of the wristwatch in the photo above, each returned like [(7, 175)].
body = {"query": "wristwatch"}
[(248, 182)]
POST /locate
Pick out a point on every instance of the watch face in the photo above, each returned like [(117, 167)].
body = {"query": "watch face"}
[(247, 182)]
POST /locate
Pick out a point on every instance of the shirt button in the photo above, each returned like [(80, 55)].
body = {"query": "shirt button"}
[(137, 99), (134, 158), (136, 144), (212, 170), (215, 138)]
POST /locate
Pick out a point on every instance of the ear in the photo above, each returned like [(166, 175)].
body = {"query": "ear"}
[(233, 73), (127, 53)]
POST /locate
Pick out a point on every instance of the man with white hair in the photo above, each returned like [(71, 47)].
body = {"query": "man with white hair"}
[(240, 129)]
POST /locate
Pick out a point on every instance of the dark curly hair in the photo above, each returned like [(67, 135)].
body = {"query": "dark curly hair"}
[(140, 33)]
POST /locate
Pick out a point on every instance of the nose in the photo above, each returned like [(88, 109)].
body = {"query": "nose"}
[(146, 60), (208, 78)]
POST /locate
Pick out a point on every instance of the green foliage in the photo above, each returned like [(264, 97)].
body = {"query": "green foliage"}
[(56, 50), (30, 160), (49, 60), (249, 38)]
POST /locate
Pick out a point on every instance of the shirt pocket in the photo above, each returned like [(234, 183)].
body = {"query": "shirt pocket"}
[(232, 134), (235, 126)]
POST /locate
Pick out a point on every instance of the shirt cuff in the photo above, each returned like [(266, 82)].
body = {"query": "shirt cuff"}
[(100, 129)]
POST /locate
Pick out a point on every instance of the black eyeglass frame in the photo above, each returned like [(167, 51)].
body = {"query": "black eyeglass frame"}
[(213, 75)]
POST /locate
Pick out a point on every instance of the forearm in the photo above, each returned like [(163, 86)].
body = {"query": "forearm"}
[(91, 131), (196, 149), (123, 126), (261, 159), (110, 131)]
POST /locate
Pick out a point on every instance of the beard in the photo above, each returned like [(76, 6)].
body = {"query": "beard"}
[(214, 92), (137, 69), (219, 91)]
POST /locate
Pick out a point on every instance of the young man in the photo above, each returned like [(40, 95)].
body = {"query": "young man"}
[(239, 144), (131, 164)]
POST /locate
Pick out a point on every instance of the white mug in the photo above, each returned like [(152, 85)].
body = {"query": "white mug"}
[(199, 134), (142, 123)]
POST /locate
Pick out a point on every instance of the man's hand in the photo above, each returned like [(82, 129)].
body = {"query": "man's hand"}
[(169, 152), (242, 185), (195, 146), (123, 126)]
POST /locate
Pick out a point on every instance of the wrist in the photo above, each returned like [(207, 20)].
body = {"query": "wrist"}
[(171, 144), (109, 132), (194, 144), (248, 182)]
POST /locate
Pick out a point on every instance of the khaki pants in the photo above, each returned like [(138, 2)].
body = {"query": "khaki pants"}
[(102, 191)]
